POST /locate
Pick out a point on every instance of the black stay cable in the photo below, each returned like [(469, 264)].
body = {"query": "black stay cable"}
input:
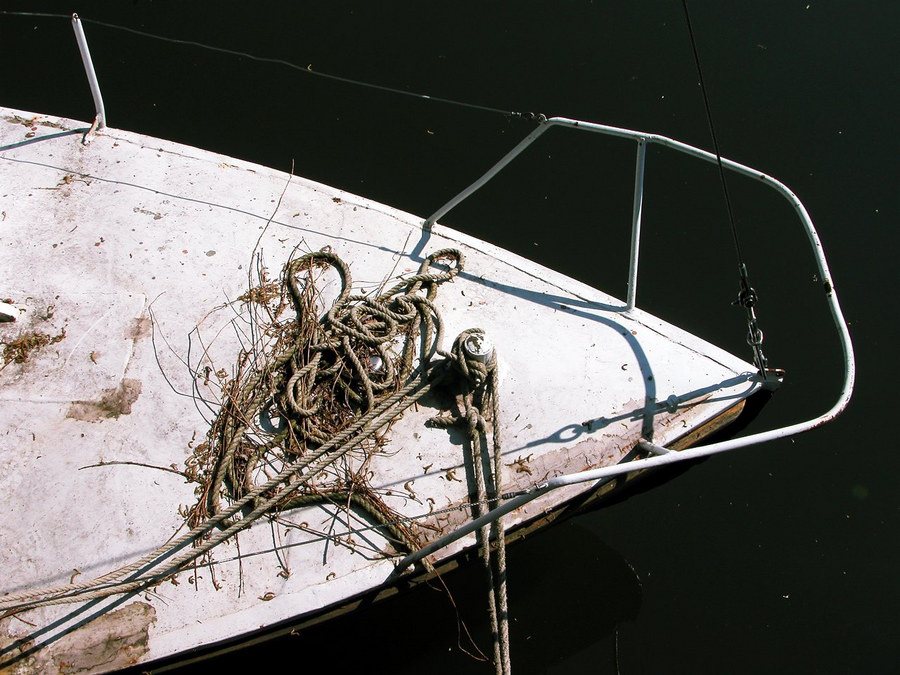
[(747, 297), (712, 133), (281, 62)]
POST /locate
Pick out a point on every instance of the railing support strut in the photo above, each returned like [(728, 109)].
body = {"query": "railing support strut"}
[(100, 118), (658, 455), (637, 209)]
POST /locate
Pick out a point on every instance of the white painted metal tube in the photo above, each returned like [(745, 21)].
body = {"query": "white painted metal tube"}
[(818, 252), (473, 525), (490, 173), (637, 210), (100, 119), (661, 456)]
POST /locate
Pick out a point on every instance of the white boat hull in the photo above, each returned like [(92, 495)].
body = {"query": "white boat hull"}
[(130, 253)]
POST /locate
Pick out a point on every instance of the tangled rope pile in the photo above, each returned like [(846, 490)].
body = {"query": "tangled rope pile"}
[(323, 388), (304, 460), (318, 377)]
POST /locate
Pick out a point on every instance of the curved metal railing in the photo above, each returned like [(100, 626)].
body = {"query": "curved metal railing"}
[(659, 455)]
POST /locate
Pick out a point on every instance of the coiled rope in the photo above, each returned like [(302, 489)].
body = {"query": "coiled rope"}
[(316, 370), (323, 373), (267, 497)]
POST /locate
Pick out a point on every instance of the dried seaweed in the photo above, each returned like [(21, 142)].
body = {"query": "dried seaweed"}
[(19, 350)]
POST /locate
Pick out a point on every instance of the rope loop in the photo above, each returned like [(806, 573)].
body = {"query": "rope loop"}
[(474, 362), (323, 371), (472, 366)]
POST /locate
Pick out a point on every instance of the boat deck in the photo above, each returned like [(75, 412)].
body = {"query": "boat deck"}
[(125, 261)]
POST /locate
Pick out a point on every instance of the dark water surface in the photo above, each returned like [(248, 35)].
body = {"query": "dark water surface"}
[(781, 558)]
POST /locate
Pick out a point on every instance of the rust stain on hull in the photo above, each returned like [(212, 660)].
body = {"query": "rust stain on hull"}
[(109, 643), (111, 404), (138, 329), (587, 454)]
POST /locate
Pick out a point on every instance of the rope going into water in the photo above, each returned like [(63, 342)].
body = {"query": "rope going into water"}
[(479, 404)]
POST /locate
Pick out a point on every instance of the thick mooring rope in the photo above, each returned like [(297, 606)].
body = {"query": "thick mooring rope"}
[(143, 576), (333, 356), (271, 495), (479, 406), (321, 373)]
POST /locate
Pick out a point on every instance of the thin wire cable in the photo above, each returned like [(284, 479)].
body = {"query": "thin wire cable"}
[(267, 59), (747, 297), (712, 133)]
